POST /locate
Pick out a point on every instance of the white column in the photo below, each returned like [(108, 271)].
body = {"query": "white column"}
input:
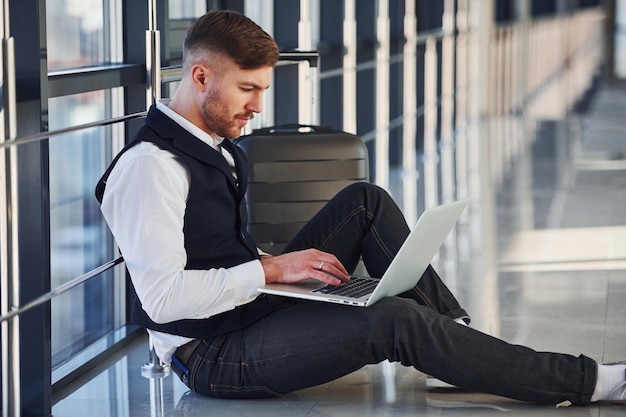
[(410, 175), (462, 92), (349, 67), (262, 12), (620, 39), (447, 104), (486, 314), (308, 35), (382, 95), (431, 157)]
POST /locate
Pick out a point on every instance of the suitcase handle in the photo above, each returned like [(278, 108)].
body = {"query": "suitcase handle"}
[(292, 128)]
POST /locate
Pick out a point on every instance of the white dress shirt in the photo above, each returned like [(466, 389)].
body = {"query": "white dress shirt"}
[(144, 205)]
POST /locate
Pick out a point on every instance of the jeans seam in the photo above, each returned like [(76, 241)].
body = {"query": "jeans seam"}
[(373, 230), (380, 241), (424, 298), (345, 221), (196, 360)]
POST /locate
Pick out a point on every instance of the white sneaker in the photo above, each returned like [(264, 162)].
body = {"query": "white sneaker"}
[(432, 382), (618, 395)]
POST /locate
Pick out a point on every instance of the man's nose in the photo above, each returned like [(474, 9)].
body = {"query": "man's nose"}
[(256, 104)]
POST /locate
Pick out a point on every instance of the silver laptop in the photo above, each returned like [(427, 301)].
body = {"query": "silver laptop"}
[(405, 270)]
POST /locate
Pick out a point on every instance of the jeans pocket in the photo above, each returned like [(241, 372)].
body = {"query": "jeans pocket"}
[(211, 374)]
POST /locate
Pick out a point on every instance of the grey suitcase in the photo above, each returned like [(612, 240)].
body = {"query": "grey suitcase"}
[(294, 171)]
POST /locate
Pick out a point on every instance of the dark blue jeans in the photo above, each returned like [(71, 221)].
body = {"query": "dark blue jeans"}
[(305, 343)]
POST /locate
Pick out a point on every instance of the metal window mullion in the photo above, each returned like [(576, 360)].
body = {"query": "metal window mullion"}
[(9, 287), (116, 144), (154, 369), (11, 399), (115, 97), (153, 57)]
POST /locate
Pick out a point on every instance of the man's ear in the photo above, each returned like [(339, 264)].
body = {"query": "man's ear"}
[(199, 76)]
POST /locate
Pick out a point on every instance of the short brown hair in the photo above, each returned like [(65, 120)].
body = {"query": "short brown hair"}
[(233, 34)]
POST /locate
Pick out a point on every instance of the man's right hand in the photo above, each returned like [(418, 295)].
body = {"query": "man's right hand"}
[(298, 266)]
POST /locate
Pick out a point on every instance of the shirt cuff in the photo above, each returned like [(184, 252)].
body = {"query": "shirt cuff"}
[(248, 277)]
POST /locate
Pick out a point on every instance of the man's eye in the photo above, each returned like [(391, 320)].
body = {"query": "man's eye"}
[(247, 90)]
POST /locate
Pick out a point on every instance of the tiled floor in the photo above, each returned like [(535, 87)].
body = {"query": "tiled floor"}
[(540, 260)]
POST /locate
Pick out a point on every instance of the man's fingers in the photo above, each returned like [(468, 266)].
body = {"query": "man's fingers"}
[(326, 277), (332, 269)]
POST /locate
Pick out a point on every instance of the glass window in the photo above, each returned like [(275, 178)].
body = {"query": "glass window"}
[(82, 33), (185, 9), (79, 238), (75, 33)]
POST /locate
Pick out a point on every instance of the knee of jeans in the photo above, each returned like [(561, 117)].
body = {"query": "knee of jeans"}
[(368, 192), (405, 312), (367, 187), (393, 310)]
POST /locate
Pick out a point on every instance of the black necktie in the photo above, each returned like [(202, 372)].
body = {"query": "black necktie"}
[(228, 145)]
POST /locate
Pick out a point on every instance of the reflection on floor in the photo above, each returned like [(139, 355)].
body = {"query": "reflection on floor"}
[(540, 259)]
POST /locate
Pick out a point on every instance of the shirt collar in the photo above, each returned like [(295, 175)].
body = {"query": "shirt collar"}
[(213, 141)]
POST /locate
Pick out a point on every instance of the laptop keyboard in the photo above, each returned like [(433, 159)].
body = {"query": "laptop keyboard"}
[(355, 288)]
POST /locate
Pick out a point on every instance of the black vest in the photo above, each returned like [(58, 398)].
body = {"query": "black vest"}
[(215, 223)]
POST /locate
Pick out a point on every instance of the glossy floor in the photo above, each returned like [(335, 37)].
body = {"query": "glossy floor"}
[(539, 259)]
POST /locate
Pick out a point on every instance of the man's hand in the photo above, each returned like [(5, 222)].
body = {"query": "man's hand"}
[(298, 266)]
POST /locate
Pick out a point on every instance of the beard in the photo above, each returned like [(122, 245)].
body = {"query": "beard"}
[(217, 116)]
